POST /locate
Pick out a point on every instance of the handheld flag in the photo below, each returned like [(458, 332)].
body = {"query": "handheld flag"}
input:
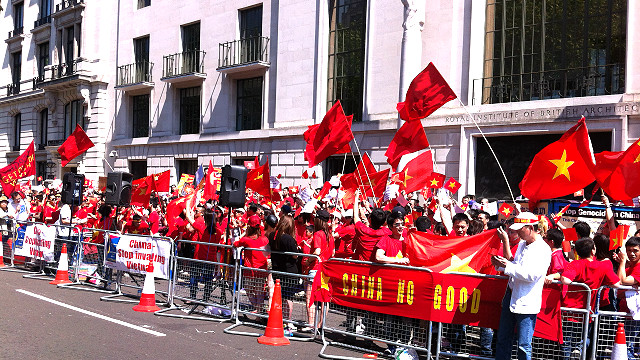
[(331, 136), (408, 139), (427, 93), (436, 180), (506, 210), (618, 236), (77, 143), (452, 185)]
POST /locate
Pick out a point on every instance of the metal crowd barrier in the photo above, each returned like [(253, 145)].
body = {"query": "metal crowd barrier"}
[(255, 293), (606, 323), (206, 288), (24, 264), (358, 329), (133, 281)]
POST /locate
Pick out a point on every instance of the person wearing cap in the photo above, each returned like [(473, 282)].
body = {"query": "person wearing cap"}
[(345, 233), (523, 299), (253, 279)]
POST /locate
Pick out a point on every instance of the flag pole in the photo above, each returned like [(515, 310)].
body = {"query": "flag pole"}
[(490, 148), (365, 168)]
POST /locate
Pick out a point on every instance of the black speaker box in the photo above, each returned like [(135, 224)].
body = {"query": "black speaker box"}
[(72, 188), (118, 190), (233, 186)]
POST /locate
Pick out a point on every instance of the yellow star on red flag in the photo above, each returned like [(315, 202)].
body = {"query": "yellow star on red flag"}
[(562, 166)]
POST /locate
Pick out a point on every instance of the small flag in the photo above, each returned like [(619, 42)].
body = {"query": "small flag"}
[(506, 210), (558, 216), (570, 234), (314, 176), (618, 236), (452, 185), (305, 175), (436, 180)]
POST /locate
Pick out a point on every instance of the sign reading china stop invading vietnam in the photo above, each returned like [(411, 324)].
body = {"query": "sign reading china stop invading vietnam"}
[(133, 253)]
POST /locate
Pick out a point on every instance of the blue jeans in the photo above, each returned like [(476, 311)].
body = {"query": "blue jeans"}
[(632, 331), (486, 339), (523, 324)]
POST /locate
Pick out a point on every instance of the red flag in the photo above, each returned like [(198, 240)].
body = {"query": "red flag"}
[(372, 185), (162, 181), (331, 136), (22, 167), (558, 216), (506, 210), (570, 234), (314, 176), (77, 143), (618, 236), (435, 180), (324, 191), (561, 168), (427, 93), (408, 139), (349, 198), (305, 175), (258, 180), (141, 193), (416, 173), (359, 176), (452, 185), (470, 254), (210, 185), (616, 172), (175, 207)]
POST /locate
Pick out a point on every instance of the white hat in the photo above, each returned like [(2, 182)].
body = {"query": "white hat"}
[(347, 213), (523, 219)]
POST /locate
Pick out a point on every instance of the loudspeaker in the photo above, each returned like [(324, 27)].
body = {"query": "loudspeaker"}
[(72, 188), (233, 186), (118, 190)]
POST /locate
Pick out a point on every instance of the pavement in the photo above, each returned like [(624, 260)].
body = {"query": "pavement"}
[(38, 320)]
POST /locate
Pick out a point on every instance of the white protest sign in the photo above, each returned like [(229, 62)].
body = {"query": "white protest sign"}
[(36, 241), (133, 253)]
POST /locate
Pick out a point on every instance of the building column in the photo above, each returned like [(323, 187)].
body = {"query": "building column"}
[(632, 68), (411, 54)]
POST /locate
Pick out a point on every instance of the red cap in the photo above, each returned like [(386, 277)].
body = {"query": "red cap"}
[(254, 221)]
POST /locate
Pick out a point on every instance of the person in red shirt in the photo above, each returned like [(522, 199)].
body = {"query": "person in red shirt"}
[(204, 230), (136, 226), (253, 278), (36, 209), (48, 210), (389, 249), (554, 238), (346, 232), (302, 221), (367, 236), (589, 271)]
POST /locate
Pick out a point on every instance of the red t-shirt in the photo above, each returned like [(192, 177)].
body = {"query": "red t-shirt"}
[(392, 247), (252, 258), (300, 230), (365, 240), (154, 221), (346, 234), (47, 212), (558, 262), (634, 271), (201, 234), (593, 273), (142, 229), (325, 245)]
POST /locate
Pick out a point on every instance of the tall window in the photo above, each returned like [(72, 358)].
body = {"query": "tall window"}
[(138, 168), (16, 67), (547, 49), (140, 118), (191, 48), (186, 166), (249, 104), (143, 3), (43, 58), (141, 54), (250, 34), (41, 169), (17, 129), (347, 33), (73, 115), (18, 18), (45, 8), (190, 110), (335, 165), (44, 120), (69, 45)]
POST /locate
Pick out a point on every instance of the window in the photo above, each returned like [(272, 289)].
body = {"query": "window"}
[(251, 34), (347, 21), (249, 104), (45, 8), (41, 169), (191, 48), (69, 54), (140, 117), (141, 54), (73, 115), (190, 110), (44, 120), (16, 67), (553, 49), (17, 129), (43, 58), (186, 166), (340, 164), (143, 3), (18, 15), (138, 169)]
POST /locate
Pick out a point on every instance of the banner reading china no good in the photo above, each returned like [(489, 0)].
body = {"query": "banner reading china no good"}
[(132, 254), (35, 241), (414, 293)]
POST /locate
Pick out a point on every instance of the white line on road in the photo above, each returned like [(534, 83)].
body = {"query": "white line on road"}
[(87, 312)]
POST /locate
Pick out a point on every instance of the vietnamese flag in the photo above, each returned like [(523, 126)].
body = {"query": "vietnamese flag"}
[(506, 210), (77, 143), (331, 136), (452, 185), (558, 216), (618, 236), (416, 173), (617, 172), (408, 139), (436, 180), (259, 180), (162, 181), (141, 194), (371, 185), (427, 93), (561, 168), (324, 191)]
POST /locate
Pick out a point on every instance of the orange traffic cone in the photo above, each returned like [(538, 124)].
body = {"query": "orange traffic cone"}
[(62, 275), (619, 350), (2, 255), (274, 333), (148, 297)]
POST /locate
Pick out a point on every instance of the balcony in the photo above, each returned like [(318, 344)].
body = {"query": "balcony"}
[(60, 77), (19, 91), (55, 142), (552, 84), (183, 67), (16, 32), (135, 76), (244, 55), (45, 20), (65, 5)]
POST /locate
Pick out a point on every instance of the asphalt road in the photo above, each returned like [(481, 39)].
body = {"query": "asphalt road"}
[(36, 321)]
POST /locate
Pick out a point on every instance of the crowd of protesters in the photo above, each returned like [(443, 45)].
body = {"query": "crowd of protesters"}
[(532, 253)]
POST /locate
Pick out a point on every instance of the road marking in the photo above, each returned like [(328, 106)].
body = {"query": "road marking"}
[(87, 312)]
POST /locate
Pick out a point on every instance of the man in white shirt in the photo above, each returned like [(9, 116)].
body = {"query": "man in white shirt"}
[(523, 298), (17, 207)]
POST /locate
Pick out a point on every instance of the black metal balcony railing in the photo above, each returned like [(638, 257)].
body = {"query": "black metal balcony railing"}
[(55, 142), (65, 4), (58, 71), (15, 147), (13, 89), (188, 62), (134, 73), (552, 84), (15, 32), (42, 21), (243, 51)]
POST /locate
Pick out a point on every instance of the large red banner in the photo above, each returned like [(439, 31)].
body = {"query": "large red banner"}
[(23, 166), (418, 293)]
